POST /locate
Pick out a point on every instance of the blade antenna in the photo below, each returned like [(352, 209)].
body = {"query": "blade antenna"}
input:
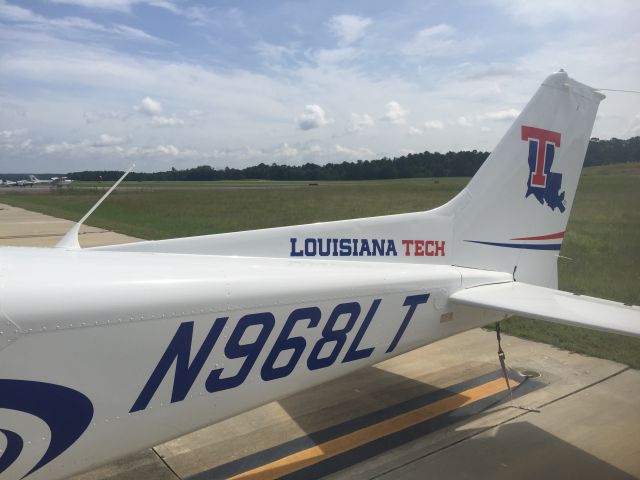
[(70, 240)]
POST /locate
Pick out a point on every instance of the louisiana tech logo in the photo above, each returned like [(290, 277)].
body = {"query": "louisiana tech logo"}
[(542, 183), (66, 412)]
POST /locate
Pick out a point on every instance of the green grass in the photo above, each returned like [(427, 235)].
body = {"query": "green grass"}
[(153, 212), (602, 246), (602, 241)]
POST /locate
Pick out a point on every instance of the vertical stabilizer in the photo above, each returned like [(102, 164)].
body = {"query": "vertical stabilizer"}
[(513, 214)]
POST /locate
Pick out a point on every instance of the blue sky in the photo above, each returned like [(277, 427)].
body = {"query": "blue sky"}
[(100, 84)]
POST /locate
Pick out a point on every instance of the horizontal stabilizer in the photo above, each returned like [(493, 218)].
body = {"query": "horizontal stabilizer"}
[(542, 303)]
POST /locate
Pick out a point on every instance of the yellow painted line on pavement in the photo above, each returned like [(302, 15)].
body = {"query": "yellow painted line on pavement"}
[(357, 438)]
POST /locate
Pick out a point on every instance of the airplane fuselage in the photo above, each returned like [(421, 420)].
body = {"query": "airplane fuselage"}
[(192, 340)]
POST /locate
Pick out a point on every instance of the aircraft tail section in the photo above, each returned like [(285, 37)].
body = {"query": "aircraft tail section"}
[(510, 218), (513, 214)]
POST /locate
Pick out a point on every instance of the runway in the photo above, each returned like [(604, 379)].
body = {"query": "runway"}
[(441, 411)]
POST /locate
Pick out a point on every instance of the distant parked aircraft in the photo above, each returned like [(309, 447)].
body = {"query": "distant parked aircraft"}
[(36, 181), (57, 181)]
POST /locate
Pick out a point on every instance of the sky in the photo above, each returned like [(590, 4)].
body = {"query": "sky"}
[(102, 84)]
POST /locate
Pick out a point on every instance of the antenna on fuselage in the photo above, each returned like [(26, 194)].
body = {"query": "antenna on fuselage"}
[(70, 240)]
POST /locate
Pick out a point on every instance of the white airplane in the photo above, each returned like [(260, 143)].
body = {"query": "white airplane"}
[(36, 181), (111, 350), (8, 183), (56, 181), (23, 183)]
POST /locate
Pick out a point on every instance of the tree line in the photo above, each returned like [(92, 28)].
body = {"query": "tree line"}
[(412, 165)]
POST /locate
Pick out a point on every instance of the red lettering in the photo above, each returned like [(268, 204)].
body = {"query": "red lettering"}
[(538, 177), (440, 249), (407, 244), (419, 248), (429, 243)]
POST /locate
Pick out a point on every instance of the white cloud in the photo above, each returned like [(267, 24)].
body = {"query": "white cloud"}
[(413, 131), (135, 34), (465, 121), (272, 53), (118, 5), (149, 106), (211, 16), (16, 14), (60, 147), (94, 117), (436, 40), (11, 136), (73, 26), (167, 150), (312, 117), (348, 28), (162, 121), (509, 114), (106, 140), (359, 122), (285, 150), (395, 114), (544, 12), (332, 56), (433, 125), (313, 149), (361, 153)]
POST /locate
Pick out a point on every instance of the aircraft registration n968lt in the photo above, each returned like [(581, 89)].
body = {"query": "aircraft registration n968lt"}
[(110, 350)]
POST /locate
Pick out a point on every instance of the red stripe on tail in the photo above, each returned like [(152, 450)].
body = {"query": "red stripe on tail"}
[(543, 237)]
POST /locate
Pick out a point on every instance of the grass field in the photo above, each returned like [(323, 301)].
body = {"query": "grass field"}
[(600, 253)]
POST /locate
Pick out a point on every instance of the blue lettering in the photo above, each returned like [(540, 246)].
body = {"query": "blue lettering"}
[(355, 246), (345, 247), (330, 335), (179, 350), (391, 248), (378, 247), (324, 253), (294, 252), (310, 247), (353, 353), (412, 302), (284, 343), (364, 248), (235, 349)]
